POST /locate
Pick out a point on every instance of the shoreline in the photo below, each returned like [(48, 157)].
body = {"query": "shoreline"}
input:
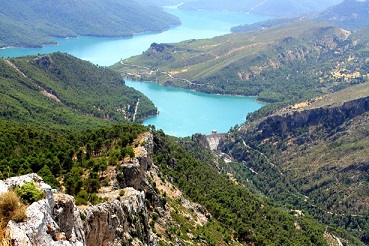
[(128, 36), (216, 94)]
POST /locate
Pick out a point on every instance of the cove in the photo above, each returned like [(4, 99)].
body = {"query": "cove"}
[(196, 24), (183, 113)]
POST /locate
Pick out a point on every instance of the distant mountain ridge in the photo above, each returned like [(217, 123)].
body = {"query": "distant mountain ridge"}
[(350, 14), (263, 7), (33, 23)]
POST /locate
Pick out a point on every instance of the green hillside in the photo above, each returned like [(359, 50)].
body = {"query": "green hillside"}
[(267, 8), (313, 156), (350, 14), (82, 158), (33, 23), (62, 91), (310, 156), (252, 221), (291, 62), (263, 24)]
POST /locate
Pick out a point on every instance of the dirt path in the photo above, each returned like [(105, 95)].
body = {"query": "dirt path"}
[(15, 67), (136, 107)]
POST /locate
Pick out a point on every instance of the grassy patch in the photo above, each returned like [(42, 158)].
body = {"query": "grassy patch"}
[(11, 208)]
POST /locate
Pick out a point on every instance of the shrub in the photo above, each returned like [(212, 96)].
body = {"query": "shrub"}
[(82, 216), (11, 208), (94, 199), (82, 198), (80, 201), (29, 193)]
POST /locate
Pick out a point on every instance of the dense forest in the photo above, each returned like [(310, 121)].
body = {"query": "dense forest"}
[(252, 220), (34, 23), (312, 158), (58, 155), (75, 161), (59, 90)]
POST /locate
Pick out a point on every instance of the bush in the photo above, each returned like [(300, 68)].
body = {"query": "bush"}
[(94, 199), (29, 193), (80, 201), (11, 208)]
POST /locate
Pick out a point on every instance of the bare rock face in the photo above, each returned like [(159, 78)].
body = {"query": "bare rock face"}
[(67, 217), (41, 228), (45, 61), (135, 171), (119, 222), (57, 221), (3, 187), (46, 219), (329, 117)]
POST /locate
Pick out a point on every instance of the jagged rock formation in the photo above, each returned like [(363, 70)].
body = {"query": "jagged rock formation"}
[(142, 207), (119, 222), (213, 140), (329, 116), (57, 221)]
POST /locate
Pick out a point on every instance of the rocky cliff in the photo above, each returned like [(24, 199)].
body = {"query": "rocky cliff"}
[(137, 208), (313, 154), (121, 220), (56, 220), (329, 117)]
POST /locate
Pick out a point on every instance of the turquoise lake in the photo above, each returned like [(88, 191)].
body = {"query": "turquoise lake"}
[(107, 51), (182, 113)]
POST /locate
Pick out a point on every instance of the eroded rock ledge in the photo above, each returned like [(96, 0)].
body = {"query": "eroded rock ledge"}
[(56, 220)]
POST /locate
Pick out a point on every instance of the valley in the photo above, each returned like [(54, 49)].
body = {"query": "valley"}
[(78, 167), (317, 153), (280, 65)]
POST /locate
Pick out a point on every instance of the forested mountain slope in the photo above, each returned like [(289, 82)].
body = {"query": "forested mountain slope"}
[(63, 91), (286, 63), (33, 23), (262, 7), (313, 156), (350, 14), (104, 166)]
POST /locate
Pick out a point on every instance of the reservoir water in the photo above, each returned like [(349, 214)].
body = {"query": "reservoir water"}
[(182, 113), (107, 51)]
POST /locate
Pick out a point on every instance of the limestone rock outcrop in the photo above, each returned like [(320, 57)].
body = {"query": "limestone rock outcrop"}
[(328, 116), (119, 222), (56, 220)]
